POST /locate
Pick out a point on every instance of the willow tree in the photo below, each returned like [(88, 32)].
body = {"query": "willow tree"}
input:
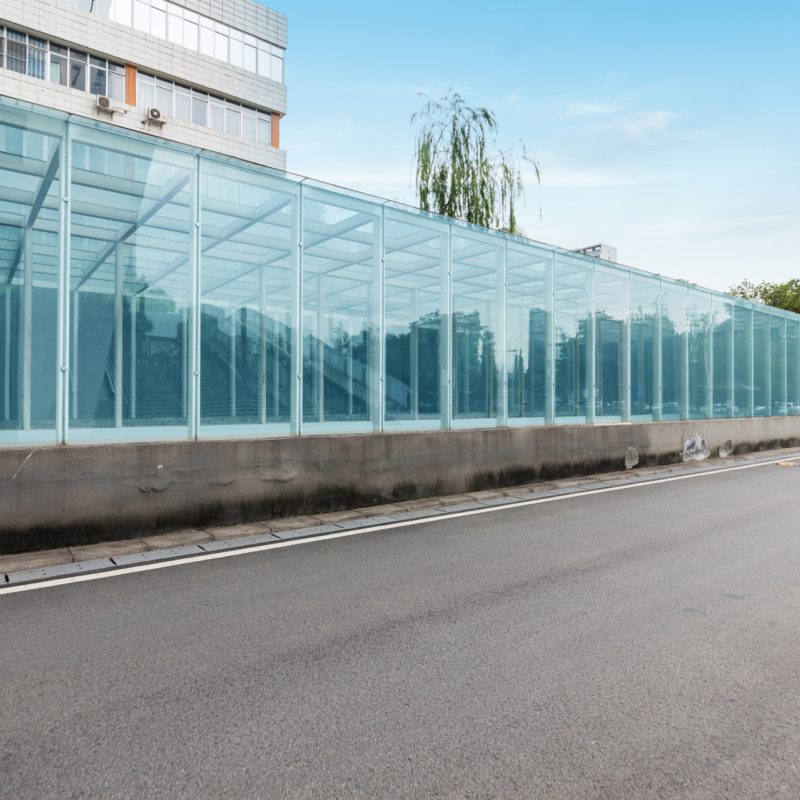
[(460, 171)]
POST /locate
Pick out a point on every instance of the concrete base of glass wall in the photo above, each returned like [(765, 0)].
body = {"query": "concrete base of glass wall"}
[(55, 496)]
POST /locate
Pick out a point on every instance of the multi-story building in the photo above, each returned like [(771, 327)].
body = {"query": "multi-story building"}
[(198, 72)]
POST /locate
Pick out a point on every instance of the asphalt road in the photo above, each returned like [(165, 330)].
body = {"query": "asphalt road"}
[(642, 643)]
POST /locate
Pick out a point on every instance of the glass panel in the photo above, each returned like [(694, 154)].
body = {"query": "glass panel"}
[(97, 81), (416, 259), (217, 114), (264, 128), (778, 407), (37, 58), (206, 37), (77, 70), (573, 330), (58, 68), (164, 95), (674, 350), (236, 49), (249, 262), (743, 364), (220, 46), (141, 16), (477, 272), (116, 82), (723, 356), (527, 325), (248, 123), (121, 11), (175, 24), (340, 260), (700, 355), (29, 257), (263, 60), (644, 315), (762, 378), (17, 60), (233, 121), (276, 69), (199, 108), (793, 366), (158, 23), (611, 317), (145, 91), (183, 103), (190, 35), (250, 57), (130, 281)]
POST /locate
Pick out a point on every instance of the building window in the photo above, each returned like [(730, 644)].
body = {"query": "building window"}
[(47, 61), (98, 76), (37, 58), (145, 90), (58, 64), (17, 52), (77, 70), (116, 81), (200, 108), (173, 23), (183, 103)]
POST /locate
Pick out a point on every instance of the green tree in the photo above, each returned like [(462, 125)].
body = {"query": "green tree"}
[(460, 172), (779, 295)]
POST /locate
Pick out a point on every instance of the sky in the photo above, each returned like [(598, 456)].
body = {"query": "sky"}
[(667, 129)]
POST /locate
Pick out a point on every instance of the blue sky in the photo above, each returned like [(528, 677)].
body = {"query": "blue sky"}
[(670, 130)]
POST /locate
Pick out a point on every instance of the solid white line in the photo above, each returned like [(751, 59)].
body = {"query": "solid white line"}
[(260, 548)]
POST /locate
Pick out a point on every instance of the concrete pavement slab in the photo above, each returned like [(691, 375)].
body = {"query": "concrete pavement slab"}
[(36, 560), (290, 523), (59, 571), (164, 554), (87, 552), (235, 544), (314, 530), (176, 539), (224, 532), (335, 517)]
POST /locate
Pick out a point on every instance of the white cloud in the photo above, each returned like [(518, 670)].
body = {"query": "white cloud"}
[(589, 176), (644, 126), (584, 109)]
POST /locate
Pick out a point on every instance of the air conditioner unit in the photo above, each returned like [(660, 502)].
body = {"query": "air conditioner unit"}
[(154, 116), (103, 103)]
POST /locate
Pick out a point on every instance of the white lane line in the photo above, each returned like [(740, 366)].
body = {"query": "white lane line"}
[(260, 548)]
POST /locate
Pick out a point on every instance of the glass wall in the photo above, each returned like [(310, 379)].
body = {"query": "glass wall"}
[(129, 282), (415, 339), (152, 291), (645, 349), (477, 292), (247, 288), (529, 296), (574, 329), (31, 170), (611, 344)]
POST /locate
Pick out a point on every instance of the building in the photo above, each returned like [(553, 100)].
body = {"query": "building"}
[(201, 73), (603, 251)]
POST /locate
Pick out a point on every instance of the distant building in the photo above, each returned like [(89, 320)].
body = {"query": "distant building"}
[(603, 251), (198, 72)]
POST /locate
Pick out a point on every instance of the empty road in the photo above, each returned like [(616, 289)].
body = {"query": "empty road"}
[(642, 643)]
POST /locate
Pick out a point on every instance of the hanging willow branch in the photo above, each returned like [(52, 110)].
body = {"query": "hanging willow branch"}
[(459, 170)]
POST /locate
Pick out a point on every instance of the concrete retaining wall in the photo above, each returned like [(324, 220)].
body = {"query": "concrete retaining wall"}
[(55, 496)]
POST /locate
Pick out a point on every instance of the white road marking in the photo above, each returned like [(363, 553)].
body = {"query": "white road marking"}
[(260, 548)]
